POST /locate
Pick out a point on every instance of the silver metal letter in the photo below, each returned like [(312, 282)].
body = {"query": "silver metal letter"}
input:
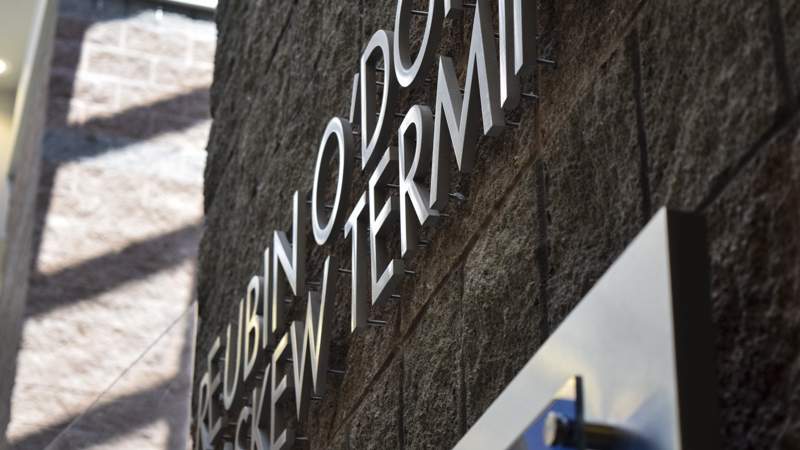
[(459, 116), (311, 341), (376, 129), (253, 350), (386, 275), (281, 438), (259, 430), (453, 8), (415, 139), (525, 48), (355, 101), (284, 269), (242, 427), (232, 388), (268, 337), (410, 73), (208, 418), (517, 47), (338, 138), (358, 226)]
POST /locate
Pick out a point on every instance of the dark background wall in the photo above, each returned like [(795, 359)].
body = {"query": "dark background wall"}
[(686, 103)]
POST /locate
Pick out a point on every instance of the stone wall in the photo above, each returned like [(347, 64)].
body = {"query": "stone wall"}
[(690, 104)]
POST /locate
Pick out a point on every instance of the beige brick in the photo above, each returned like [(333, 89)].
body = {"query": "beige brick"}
[(71, 28), (61, 84), (177, 74), (158, 42), (134, 124), (204, 51), (114, 63), (196, 104), (151, 97), (94, 91), (64, 113), (66, 54), (106, 33), (180, 131)]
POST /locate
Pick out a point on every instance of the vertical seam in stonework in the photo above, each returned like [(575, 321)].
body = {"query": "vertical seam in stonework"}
[(280, 37), (401, 409), (778, 30), (463, 403), (542, 252), (768, 138), (641, 123)]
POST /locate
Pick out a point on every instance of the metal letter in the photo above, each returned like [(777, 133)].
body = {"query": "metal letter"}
[(343, 145), (415, 139), (355, 101), (376, 129), (281, 438), (284, 269), (517, 47), (386, 276), (232, 391), (525, 48), (253, 350), (268, 337), (259, 430), (410, 73), (358, 225), (311, 341), (459, 116), (208, 421), (453, 8), (243, 425)]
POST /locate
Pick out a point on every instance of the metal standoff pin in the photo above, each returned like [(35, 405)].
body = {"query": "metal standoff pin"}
[(377, 323), (308, 202), (392, 186), (337, 372), (300, 438), (444, 215), (423, 243), (418, 13), (530, 96), (356, 133), (546, 62), (345, 271), (512, 125), (316, 399), (459, 197), (379, 83), (559, 430), (469, 5), (411, 273), (287, 300), (395, 296), (313, 283)]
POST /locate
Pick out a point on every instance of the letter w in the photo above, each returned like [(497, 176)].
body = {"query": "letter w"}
[(311, 341)]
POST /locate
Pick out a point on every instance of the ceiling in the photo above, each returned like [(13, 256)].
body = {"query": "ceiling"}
[(16, 21)]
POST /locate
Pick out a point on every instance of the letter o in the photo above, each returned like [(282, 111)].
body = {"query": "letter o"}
[(338, 138), (412, 74)]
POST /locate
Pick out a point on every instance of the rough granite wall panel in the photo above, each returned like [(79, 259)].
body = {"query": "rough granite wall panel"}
[(710, 98), (754, 233), (670, 94), (594, 193), (503, 309)]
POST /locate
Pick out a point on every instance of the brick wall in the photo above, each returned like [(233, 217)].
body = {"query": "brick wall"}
[(681, 103), (106, 347)]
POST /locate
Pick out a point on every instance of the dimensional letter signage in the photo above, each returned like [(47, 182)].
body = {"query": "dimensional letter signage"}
[(258, 345)]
